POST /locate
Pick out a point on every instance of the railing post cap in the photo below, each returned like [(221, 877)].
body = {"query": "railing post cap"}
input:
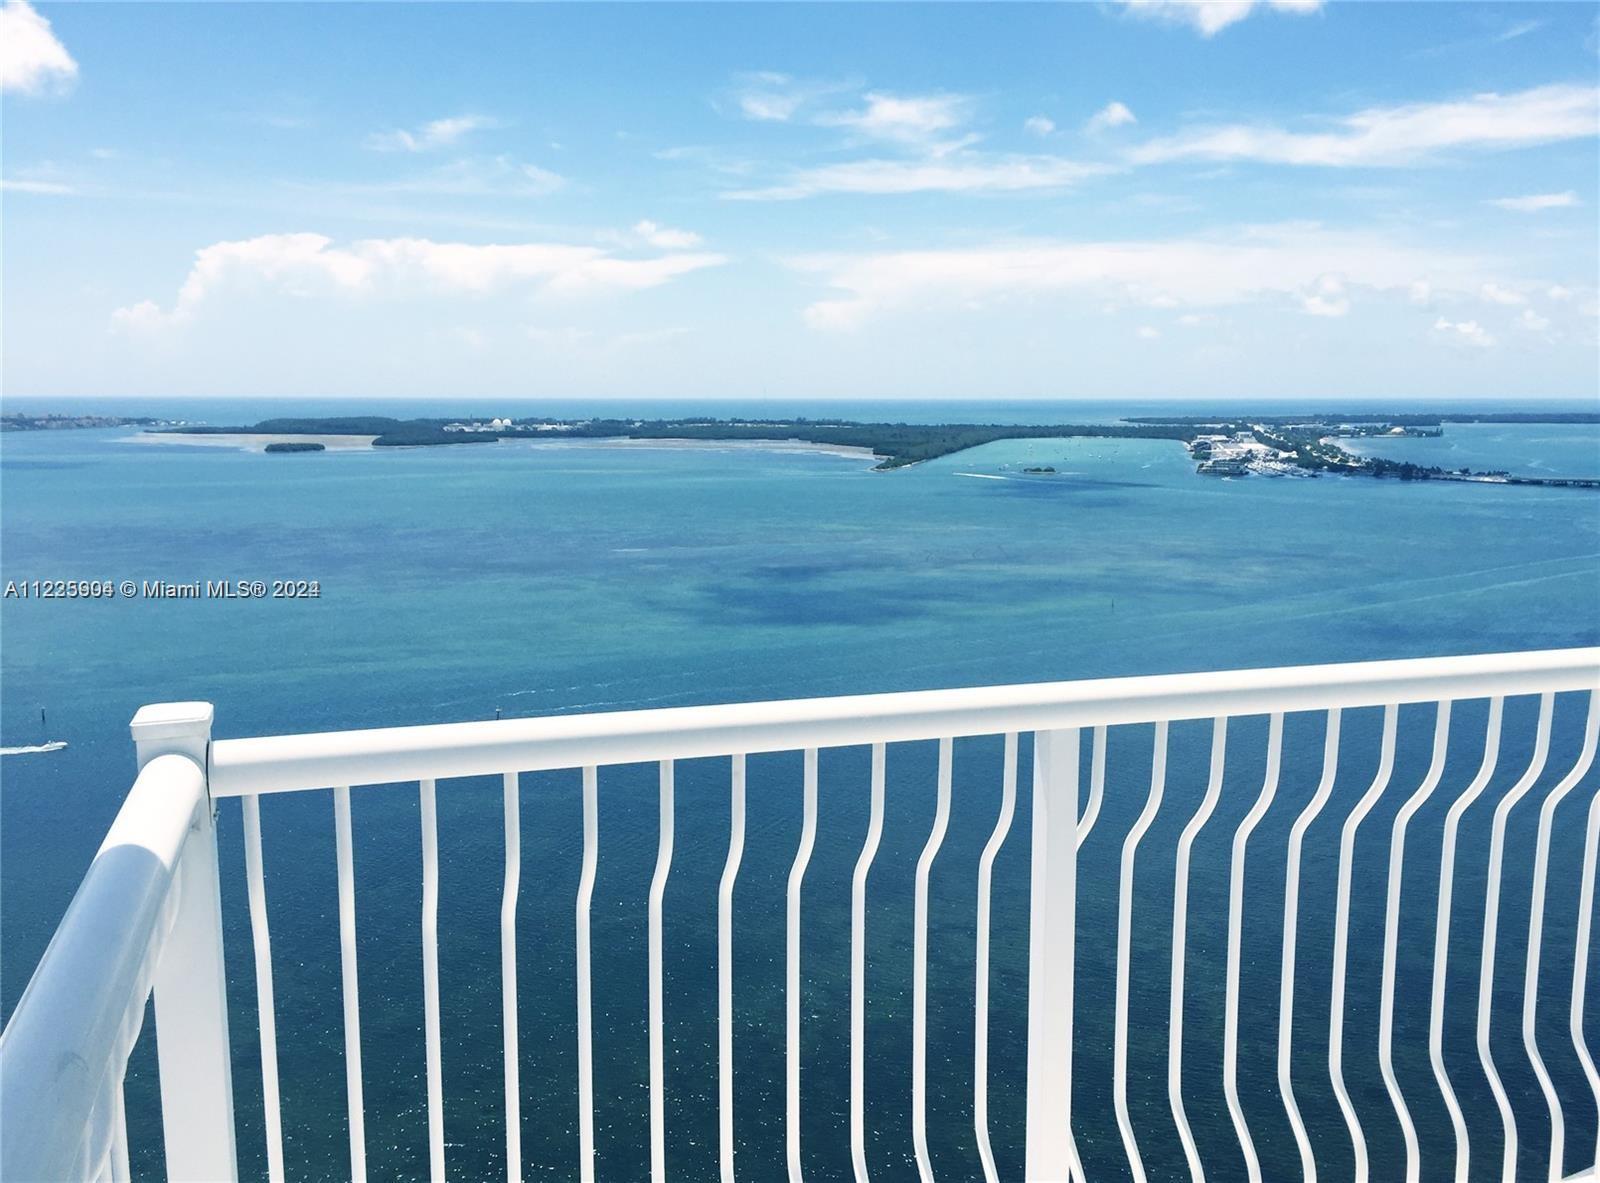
[(170, 720)]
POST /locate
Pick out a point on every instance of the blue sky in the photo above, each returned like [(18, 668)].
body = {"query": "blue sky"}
[(1089, 200)]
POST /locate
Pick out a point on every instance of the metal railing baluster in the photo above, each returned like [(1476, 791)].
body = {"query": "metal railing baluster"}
[(1180, 926), (1391, 935), (1130, 851), (1230, 1023), (1341, 938), (266, 1013), (658, 889), (797, 875), (1491, 921), (1580, 961), (730, 873), (349, 983), (980, 1016), (1441, 938), (430, 977), (1051, 1154), (591, 851), (919, 969), (508, 973), (1291, 913), (858, 968)]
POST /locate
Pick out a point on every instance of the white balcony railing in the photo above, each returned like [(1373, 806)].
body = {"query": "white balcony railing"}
[(148, 918)]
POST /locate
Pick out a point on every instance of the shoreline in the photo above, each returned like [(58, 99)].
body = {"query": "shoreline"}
[(843, 451)]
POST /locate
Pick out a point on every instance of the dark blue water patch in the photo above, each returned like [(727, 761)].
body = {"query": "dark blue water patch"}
[(788, 605)]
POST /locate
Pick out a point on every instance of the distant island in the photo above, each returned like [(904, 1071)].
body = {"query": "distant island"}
[(1222, 445), (17, 422), (296, 447)]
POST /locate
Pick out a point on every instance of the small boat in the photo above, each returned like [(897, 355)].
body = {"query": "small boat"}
[(49, 745)]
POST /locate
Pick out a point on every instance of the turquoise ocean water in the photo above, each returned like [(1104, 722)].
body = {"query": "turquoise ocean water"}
[(546, 578)]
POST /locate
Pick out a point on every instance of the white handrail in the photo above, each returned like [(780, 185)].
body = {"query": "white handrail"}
[(63, 1054), (384, 755)]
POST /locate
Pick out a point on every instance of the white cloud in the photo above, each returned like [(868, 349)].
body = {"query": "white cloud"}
[(1148, 332), (45, 188), (1520, 29), (1532, 321), (1390, 136), (1420, 291), (905, 119), (438, 133), (473, 176), (1495, 294), (664, 237), (1467, 332), (1039, 125), (310, 265), (32, 59), (1326, 297), (1557, 292), (770, 97), (1309, 266), (1197, 320), (965, 173), (1113, 114), (1535, 202), (1210, 17)]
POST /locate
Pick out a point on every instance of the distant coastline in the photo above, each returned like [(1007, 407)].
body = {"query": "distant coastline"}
[(1268, 445)]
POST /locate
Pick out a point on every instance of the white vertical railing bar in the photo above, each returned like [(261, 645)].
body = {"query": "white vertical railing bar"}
[(1391, 935), (1230, 1024), (1291, 914), (980, 1015), (261, 939), (658, 889), (1097, 785), (1180, 924), (858, 969), (1530, 982), (508, 975), (797, 876), (120, 1172), (1580, 961), (919, 969), (1441, 936), (1341, 937), (1491, 920), (591, 851), (349, 986), (430, 976), (1130, 849), (730, 873), (1051, 1153)]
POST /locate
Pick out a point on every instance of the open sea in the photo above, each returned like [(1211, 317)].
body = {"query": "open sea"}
[(543, 578)]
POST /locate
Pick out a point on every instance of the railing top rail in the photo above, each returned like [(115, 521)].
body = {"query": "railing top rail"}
[(289, 762), (62, 1053)]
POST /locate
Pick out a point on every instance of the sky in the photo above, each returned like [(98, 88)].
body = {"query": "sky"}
[(1145, 199)]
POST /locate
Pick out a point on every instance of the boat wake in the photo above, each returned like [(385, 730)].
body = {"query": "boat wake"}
[(54, 745)]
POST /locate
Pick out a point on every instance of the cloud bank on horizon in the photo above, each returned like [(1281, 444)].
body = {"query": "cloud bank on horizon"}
[(1160, 198)]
